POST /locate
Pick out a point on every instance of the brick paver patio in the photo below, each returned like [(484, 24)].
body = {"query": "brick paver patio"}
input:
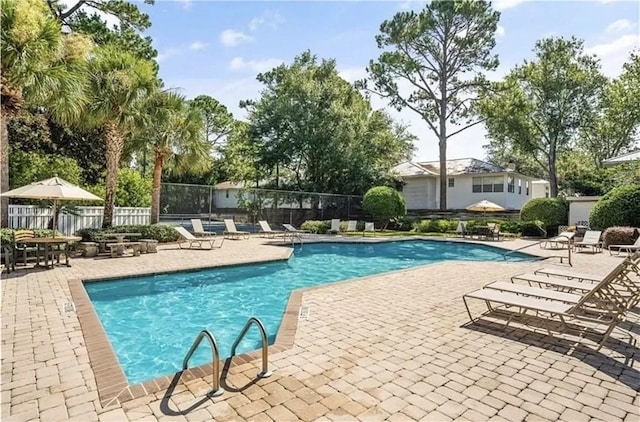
[(397, 346)]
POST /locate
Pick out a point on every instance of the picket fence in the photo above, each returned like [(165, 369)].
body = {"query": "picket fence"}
[(34, 217)]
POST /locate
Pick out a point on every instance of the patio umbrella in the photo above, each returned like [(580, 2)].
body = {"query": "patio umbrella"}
[(485, 206), (55, 189)]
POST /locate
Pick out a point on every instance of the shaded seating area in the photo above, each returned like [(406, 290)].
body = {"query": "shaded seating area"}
[(231, 232), (195, 242)]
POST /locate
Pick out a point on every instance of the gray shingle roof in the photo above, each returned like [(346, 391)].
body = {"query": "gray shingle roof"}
[(454, 167), (635, 155)]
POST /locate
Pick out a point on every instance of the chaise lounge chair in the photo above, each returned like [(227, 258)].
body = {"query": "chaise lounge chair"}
[(602, 303), (369, 227), (231, 232), (266, 231), (629, 249), (352, 226), (199, 242), (559, 241), (591, 239), (335, 226), (198, 229)]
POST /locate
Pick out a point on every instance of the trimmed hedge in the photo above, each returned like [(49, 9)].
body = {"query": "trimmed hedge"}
[(160, 232), (6, 235), (551, 211), (435, 226), (619, 236), (316, 226), (384, 203), (619, 207), (525, 228)]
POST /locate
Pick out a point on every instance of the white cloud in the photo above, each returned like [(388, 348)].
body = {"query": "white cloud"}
[(111, 20), (507, 4), (256, 66), (270, 19), (186, 4), (614, 53), (352, 74), (500, 31), (197, 46), (620, 25), (231, 38), (169, 52)]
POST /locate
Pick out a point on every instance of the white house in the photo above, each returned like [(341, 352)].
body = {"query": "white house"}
[(621, 159), (468, 181), (227, 195)]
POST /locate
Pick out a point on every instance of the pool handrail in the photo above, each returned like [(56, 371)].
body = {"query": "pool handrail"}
[(568, 257), (216, 391), (265, 373)]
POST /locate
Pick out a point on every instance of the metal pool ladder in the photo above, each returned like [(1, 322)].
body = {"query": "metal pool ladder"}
[(265, 373), (216, 391)]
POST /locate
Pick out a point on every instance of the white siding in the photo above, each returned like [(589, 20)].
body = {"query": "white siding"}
[(226, 198), (580, 211), (420, 193)]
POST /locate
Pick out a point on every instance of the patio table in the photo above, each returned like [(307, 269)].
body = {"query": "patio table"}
[(46, 243)]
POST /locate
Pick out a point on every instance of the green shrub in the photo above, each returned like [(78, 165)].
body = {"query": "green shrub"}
[(435, 226), (619, 207), (384, 203), (551, 211), (535, 228), (316, 226), (511, 226), (133, 189), (619, 236), (160, 232), (29, 167)]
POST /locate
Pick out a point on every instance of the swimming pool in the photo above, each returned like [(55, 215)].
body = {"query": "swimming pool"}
[(152, 321)]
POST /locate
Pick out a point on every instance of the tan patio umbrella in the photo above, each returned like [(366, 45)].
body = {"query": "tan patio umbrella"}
[(54, 189), (485, 206)]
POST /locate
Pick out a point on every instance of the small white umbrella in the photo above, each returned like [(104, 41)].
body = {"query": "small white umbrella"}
[(55, 189), (485, 206)]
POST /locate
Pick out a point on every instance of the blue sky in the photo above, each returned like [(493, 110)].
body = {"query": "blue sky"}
[(217, 48)]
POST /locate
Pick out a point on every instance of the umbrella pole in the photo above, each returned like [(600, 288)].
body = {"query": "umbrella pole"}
[(55, 218)]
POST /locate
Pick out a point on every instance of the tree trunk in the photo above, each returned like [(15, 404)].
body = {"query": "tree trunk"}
[(4, 169), (443, 171), (553, 176), (114, 143), (155, 192)]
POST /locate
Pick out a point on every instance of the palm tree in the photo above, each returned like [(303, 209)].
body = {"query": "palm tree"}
[(40, 67), (174, 131), (119, 83)]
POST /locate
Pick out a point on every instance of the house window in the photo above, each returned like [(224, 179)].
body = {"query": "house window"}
[(511, 187), (519, 187), (498, 183), (226, 192), (477, 184), (451, 182), (527, 187)]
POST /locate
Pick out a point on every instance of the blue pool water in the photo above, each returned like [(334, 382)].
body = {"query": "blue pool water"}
[(152, 321)]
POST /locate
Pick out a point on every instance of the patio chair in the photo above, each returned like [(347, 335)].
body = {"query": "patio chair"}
[(22, 249), (266, 231), (603, 298), (494, 231), (193, 241), (591, 239), (335, 226), (369, 227), (231, 232), (290, 229), (629, 249), (352, 226), (198, 230), (558, 242)]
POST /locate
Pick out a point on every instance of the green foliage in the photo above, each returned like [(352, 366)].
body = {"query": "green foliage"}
[(316, 226), (551, 211), (218, 121), (435, 226), (436, 53), (619, 236), (535, 228), (619, 207), (25, 168), (160, 232), (384, 203), (315, 132), (540, 106), (6, 235), (133, 190)]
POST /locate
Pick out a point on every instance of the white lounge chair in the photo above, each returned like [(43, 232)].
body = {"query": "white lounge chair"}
[(266, 231), (629, 249), (335, 226), (352, 226), (198, 229), (199, 242), (591, 239), (369, 227), (231, 232), (559, 241)]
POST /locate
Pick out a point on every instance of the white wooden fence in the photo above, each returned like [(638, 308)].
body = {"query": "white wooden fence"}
[(34, 217)]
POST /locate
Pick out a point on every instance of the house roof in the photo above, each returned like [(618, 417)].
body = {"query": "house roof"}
[(631, 156), (454, 167), (229, 185)]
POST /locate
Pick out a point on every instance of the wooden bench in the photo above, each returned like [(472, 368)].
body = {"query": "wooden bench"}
[(119, 248)]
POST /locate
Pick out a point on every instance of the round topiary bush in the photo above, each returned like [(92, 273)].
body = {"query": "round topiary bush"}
[(551, 211), (619, 207), (384, 203)]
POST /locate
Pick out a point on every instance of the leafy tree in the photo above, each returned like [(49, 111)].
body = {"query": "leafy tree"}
[(384, 203), (619, 207), (439, 53), (173, 130), (615, 130), (134, 190), (317, 133), (218, 122), (127, 13), (242, 155), (39, 67), (118, 84), (28, 167), (541, 105)]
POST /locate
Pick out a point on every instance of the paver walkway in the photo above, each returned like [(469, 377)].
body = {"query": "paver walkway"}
[(396, 346)]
